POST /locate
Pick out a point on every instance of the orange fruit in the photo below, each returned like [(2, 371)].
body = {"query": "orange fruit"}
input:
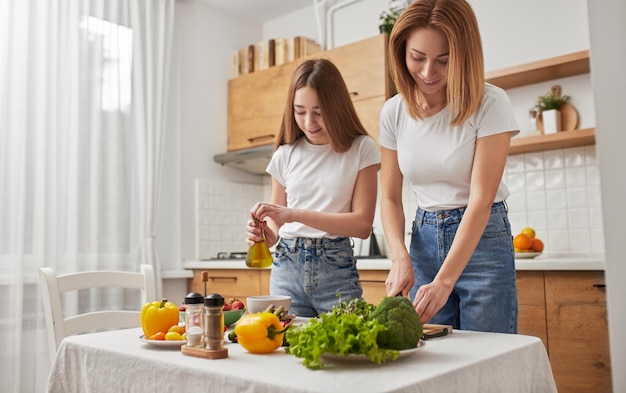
[(537, 245), (528, 232), (522, 242)]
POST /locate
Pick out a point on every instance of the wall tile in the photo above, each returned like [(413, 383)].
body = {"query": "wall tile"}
[(553, 159)]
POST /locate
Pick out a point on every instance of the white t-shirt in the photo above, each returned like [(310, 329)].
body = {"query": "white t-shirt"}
[(317, 178), (436, 158)]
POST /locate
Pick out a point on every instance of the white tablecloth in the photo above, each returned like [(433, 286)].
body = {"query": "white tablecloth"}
[(117, 361)]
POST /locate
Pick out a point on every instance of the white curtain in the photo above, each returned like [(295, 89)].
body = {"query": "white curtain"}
[(83, 104)]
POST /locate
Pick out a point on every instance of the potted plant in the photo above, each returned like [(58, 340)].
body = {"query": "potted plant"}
[(387, 19), (549, 106)]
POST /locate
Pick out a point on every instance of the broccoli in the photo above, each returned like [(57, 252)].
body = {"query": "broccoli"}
[(404, 328)]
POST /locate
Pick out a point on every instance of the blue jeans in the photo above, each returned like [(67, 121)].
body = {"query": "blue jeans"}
[(314, 272), (484, 298)]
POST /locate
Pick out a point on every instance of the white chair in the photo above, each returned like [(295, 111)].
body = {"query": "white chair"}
[(53, 286)]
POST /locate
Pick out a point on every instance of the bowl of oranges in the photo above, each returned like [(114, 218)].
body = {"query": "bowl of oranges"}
[(527, 244)]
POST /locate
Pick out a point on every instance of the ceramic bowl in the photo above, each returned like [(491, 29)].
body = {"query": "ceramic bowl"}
[(233, 316), (261, 303)]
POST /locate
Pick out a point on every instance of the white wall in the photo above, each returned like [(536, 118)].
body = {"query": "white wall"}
[(204, 42)]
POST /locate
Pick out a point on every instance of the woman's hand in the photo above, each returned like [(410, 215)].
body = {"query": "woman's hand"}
[(401, 278), (430, 298)]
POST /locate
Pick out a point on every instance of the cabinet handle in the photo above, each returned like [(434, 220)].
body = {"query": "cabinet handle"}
[(258, 138), (354, 93), (599, 286), (224, 279)]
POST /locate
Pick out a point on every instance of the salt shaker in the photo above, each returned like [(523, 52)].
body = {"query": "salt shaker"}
[(214, 322), (194, 319)]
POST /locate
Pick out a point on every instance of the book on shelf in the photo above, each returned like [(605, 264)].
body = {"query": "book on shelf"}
[(280, 51), (251, 59), (243, 61), (271, 48), (236, 66), (261, 56), (276, 51)]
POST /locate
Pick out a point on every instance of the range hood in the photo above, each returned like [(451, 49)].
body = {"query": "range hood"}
[(252, 160)]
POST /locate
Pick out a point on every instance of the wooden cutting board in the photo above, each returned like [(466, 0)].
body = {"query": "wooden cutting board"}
[(433, 330)]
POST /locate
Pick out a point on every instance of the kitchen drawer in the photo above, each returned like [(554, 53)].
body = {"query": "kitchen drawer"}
[(228, 283), (373, 284)]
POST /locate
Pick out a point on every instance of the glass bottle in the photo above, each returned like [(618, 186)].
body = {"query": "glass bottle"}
[(214, 322), (194, 319), (259, 255), (532, 123)]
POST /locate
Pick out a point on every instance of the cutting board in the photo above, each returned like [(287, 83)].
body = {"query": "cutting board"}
[(432, 330)]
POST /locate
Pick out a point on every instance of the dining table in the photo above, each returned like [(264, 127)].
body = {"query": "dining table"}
[(463, 361)]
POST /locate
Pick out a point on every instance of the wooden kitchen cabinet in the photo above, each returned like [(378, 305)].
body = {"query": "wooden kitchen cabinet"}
[(578, 343), (531, 300), (256, 101), (255, 106), (373, 284), (232, 283)]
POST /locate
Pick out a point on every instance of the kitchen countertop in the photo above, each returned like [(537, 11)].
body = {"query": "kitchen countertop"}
[(541, 262)]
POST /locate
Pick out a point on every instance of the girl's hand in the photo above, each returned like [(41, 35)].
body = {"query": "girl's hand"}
[(430, 298)]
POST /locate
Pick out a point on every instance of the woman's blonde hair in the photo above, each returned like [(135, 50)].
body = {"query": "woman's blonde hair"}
[(466, 74), (340, 118)]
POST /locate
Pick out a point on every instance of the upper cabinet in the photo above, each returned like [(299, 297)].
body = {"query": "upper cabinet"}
[(256, 101), (540, 71)]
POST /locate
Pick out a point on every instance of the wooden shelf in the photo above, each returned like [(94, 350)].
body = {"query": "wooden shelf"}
[(540, 71), (560, 140)]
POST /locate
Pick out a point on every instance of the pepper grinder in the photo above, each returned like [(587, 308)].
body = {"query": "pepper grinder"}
[(214, 326)]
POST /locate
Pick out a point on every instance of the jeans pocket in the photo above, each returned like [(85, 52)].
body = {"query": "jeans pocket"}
[(498, 225), (338, 254)]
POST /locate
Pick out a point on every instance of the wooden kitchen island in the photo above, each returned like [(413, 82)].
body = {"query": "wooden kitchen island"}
[(561, 300)]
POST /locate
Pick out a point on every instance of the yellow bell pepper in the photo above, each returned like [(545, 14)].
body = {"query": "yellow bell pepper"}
[(260, 332), (158, 316)]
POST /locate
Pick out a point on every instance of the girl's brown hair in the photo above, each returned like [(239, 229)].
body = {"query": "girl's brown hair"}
[(466, 74), (340, 118)]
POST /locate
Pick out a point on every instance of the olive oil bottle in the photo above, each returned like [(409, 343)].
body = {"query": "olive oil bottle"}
[(259, 255)]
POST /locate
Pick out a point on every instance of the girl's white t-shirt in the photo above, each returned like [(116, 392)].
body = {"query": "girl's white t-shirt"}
[(317, 178), (436, 158)]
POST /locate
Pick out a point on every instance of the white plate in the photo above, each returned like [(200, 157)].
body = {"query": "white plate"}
[(526, 255), (163, 343), (361, 358)]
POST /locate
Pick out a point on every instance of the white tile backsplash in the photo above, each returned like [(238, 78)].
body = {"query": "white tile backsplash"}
[(565, 210), (222, 209), (556, 192)]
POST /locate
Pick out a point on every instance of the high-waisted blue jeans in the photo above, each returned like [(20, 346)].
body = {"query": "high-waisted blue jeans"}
[(484, 298), (313, 271)]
